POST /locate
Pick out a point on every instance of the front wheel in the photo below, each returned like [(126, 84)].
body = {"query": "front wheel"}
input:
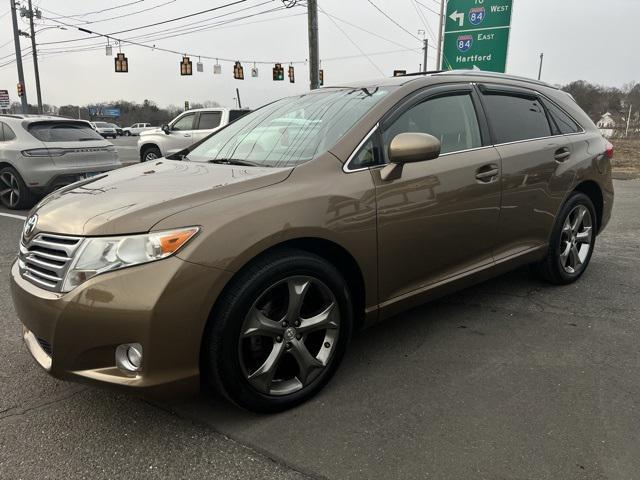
[(278, 332), (151, 153), (572, 241)]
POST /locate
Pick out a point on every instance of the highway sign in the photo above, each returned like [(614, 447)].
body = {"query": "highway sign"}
[(476, 34), (5, 101)]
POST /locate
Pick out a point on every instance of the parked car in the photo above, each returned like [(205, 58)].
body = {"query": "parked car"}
[(249, 263), (117, 128), (184, 130), (105, 129), (39, 154), (136, 129)]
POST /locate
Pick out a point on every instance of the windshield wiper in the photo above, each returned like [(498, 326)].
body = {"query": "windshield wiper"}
[(233, 161)]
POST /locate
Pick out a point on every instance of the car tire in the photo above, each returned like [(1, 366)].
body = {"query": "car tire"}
[(127, 134), (14, 193), (572, 241), (150, 153), (252, 356)]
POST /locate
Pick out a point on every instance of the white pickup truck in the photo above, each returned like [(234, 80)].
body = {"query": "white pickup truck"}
[(137, 129), (184, 130)]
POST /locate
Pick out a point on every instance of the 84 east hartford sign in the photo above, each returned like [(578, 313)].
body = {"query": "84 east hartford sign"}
[(477, 34)]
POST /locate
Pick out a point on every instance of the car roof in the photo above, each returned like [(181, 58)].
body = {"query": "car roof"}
[(29, 118), (444, 76)]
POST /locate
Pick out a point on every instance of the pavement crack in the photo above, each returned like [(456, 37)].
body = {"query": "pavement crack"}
[(38, 406)]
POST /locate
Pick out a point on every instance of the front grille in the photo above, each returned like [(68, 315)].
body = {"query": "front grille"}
[(46, 346), (45, 259)]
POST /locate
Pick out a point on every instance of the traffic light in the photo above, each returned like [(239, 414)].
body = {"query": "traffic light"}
[(122, 64), (238, 71), (321, 77), (186, 67), (292, 74), (278, 72), (20, 90)]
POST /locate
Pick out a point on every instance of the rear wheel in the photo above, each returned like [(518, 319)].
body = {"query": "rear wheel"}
[(572, 241), (14, 193), (151, 153), (278, 332)]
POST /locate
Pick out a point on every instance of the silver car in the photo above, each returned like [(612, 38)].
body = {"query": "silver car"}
[(39, 154), (105, 129)]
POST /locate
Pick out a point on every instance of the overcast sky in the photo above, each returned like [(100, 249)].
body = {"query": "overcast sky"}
[(582, 39)]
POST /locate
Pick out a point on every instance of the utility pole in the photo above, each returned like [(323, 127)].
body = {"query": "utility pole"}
[(440, 29), (238, 98), (314, 55), (36, 71), (626, 134), (424, 61), (540, 69), (16, 40)]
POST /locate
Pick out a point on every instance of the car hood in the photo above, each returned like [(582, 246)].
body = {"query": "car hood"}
[(134, 199)]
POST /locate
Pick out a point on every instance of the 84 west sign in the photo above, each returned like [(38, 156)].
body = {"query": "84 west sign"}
[(477, 34)]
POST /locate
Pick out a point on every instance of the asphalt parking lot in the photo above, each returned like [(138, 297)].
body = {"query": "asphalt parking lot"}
[(127, 149), (510, 379)]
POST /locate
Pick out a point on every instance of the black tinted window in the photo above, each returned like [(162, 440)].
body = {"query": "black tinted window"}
[(209, 120), (561, 120), (1, 132), (516, 118), (236, 114), (63, 132), (451, 119)]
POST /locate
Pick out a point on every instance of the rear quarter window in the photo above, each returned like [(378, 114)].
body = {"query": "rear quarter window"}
[(514, 118), (63, 132), (563, 123)]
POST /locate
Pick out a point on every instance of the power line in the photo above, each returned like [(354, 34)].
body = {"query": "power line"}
[(97, 11), (354, 44), (130, 14), (428, 8), (178, 18), (393, 21)]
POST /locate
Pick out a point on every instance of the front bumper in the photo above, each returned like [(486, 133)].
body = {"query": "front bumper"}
[(162, 305)]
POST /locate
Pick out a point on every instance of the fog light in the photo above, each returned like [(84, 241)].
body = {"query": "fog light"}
[(129, 357)]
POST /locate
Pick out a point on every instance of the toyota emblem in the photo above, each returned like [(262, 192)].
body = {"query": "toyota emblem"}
[(30, 225)]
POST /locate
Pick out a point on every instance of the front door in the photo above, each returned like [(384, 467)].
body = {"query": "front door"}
[(181, 134), (439, 218)]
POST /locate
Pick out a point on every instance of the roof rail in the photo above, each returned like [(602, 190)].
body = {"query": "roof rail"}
[(417, 74)]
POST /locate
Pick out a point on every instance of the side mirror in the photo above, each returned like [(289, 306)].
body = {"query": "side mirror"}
[(166, 129), (408, 148)]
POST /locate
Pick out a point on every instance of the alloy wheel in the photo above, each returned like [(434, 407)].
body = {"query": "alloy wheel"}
[(9, 189), (576, 239), (149, 156), (289, 335)]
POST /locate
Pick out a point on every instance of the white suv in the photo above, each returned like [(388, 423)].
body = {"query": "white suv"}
[(184, 130), (39, 154)]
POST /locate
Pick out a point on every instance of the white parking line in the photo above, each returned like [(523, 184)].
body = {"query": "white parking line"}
[(11, 215)]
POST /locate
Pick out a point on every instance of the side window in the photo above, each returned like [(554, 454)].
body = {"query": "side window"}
[(564, 123), (8, 133), (451, 119), (184, 123), (1, 132), (516, 118), (209, 120), (366, 157)]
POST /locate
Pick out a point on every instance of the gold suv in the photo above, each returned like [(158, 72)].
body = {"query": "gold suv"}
[(248, 261)]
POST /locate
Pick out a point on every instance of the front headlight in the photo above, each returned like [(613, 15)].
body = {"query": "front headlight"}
[(104, 254)]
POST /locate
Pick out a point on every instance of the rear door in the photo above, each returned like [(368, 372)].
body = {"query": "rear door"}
[(439, 218), (535, 177), (73, 144), (206, 123)]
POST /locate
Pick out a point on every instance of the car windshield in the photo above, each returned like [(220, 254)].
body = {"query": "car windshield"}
[(290, 131)]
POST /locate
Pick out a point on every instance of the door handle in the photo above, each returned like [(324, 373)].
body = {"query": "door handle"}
[(187, 134), (562, 154), (487, 173)]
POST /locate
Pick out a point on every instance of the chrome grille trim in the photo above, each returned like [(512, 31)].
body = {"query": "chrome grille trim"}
[(45, 259)]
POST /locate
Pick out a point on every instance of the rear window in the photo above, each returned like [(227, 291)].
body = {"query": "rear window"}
[(209, 120), (236, 114), (103, 125), (516, 118), (63, 132)]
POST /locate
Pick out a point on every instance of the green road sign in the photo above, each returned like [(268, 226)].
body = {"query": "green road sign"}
[(476, 35)]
